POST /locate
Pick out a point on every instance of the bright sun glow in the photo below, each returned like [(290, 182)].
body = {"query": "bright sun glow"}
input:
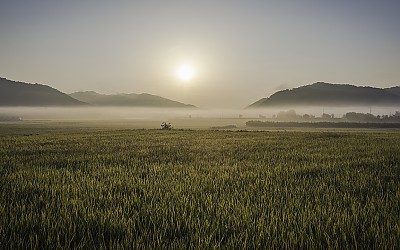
[(185, 72)]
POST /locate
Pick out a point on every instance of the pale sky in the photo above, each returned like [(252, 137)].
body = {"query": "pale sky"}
[(240, 51)]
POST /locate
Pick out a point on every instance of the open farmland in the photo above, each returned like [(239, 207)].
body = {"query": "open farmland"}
[(101, 188)]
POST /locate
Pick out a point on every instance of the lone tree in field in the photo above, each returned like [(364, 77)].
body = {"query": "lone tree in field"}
[(166, 126)]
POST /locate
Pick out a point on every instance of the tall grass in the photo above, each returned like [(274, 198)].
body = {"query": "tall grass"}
[(152, 189)]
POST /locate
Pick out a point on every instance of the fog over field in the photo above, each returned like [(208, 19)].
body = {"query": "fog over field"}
[(107, 113)]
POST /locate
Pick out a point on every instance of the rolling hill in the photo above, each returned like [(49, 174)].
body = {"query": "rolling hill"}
[(25, 94), (13, 93), (132, 100), (328, 94)]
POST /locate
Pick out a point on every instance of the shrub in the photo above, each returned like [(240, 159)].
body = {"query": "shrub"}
[(166, 126)]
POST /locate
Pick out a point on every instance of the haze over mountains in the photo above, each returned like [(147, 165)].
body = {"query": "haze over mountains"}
[(328, 94), (14, 93), (139, 100)]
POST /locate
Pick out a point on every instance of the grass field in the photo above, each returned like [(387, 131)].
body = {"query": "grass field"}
[(79, 187)]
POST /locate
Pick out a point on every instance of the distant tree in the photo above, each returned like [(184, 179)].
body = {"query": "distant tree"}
[(359, 117), (166, 126), (308, 117), (326, 116)]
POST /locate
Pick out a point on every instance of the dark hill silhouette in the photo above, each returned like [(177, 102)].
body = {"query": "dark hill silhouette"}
[(133, 100), (327, 94), (394, 90), (25, 94)]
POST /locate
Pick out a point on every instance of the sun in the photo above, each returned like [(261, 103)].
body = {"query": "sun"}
[(185, 72)]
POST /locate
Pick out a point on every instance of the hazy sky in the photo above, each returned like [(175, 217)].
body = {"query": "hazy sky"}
[(241, 50)]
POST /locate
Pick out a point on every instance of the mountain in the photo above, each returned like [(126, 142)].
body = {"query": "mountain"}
[(394, 90), (14, 93), (328, 94), (136, 100), (25, 94)]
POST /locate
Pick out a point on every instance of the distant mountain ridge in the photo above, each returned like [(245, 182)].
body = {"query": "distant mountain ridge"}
[(394, 90), (328, 94), (136, 100), (14, 93)]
